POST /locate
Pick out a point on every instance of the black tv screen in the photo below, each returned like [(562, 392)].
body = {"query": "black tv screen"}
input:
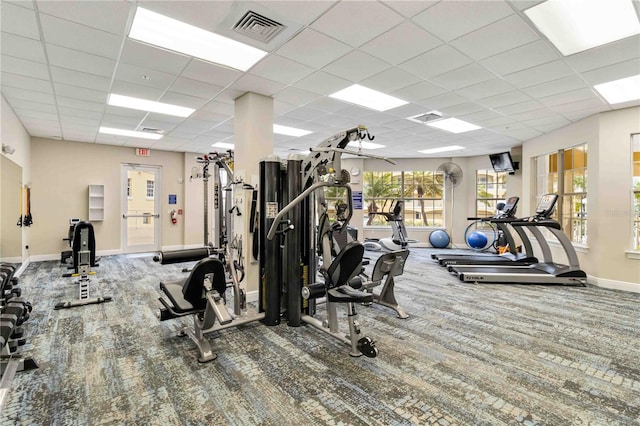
[(502, 162)]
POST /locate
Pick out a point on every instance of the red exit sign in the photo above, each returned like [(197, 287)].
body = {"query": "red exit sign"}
[(143, 152)]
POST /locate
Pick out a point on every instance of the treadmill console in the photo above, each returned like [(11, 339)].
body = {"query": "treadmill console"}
[(510, 207), (546, 205)]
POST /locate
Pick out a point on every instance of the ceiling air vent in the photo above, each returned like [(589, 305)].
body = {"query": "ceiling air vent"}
[(258, 27), (426, 117), (152, 130)]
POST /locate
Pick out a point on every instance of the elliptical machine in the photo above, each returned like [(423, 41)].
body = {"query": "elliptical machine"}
[(398, 239)]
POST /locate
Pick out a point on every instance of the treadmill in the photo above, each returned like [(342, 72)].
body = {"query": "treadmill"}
[(501, 219), (546, 272)]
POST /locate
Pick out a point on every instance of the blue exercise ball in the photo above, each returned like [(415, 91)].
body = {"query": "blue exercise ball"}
[(477, 240), (439, 238)]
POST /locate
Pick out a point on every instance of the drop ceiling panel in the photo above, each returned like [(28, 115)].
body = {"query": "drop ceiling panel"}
[(19, 21), (302, 11), (568, 97), (418, 91), (435, 62), (137, 91), (21, 47), (442, 101), (252, 83), (133, 114), (463, 76), (80, 61), (183, 100), (613, 72), (27, 83), (280, 69), (463, 108), (535, 114), (110, 16), (612, 53), (40, 115), (322, 83), (356, 66), (325, 49), (411, 8), (24, 67), (449, 20), (219, 107), (196, 88), (523, 57), (71, 113), (485, 89), (80, 104), (210, 73), (81, 79), (147, 56), (498, 37), (296, 117), (22, 104), (401, 43), (585, 104), (136, 75), (519, 107), (120, 122), (391, 79), (80, 93), (296, 96), (353, 24), (327, 105), (539, 74), (212, 117), (79, 37), (562, 85), (165, 120)]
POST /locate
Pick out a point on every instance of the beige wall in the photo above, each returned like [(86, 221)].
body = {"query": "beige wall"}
[(61, 173), (12, 132), (608, 136)]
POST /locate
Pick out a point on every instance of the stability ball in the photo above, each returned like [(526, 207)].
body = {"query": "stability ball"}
[(439, 238), (477, 240)]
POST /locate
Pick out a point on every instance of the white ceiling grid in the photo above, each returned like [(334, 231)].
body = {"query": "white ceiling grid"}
[(480, 61)]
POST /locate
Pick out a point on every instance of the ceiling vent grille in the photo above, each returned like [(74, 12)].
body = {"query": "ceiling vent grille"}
[(426, 117), (152, 130), (258, 27)]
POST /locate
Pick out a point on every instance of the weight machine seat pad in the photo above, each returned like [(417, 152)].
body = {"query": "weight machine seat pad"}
[(346, 265), (390, 263), (346, 294), (173, 290)]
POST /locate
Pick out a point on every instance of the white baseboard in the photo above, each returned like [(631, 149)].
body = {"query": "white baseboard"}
[(252, 296), (22, 267), (172, 248), (16, 259), (613, 284), (44, 257)]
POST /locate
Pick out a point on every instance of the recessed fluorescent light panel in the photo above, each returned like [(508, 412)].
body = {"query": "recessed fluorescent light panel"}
[(129, 133), (168, 33), (151, 106), (577, 25), (618, 91), (442, 149), (453, 125), (365, 145), (368, 98), (289, 131), (223, 145)]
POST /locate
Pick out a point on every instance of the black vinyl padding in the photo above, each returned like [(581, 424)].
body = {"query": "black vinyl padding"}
[(189, 295)]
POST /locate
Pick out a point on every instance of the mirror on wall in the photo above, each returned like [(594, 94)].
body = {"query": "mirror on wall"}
[(10, 200)]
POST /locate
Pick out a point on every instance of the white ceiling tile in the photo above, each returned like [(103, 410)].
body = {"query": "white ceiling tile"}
[(21, 3), (79, 124), (401, 43), (327, 105), (196, 88), (295, 117), (442, 101), (22, 104), (220, 108), (579, 115), (262, 86), (523, 134), (451, 19), (300, 11), (40, 115), (147, 56), (461, 109), (391, 79), (24, 67), (81, 79), (79, 104), (120, 122), (136, 75), (166, 120), (116, 140), (183, 100), (79, 37), (71, 113), (545, 113), (168, 144), (519, 107), (356, 66), (210, 73), (27, 83), (18, 20), (561, 85), (78, 136), (137, 91), (125, 112), (525, 4), (567, 97), (435, 62), (280, 107), (520, 58), (547, 123), (539, 74), (498, 37), (324, 51), (585, 104), (480, 117), (280, 69), (410, 8), (611, 53), (351, 23), (21, 47), (322, 83), (296, 96), (503, 99), (613, 72), (13, 93), (160, 125), (338, 120), (231, 94), (212, 117), (486, 88), (80, 61), (110, 16), (418, 91), (463, 76), (80, 93)]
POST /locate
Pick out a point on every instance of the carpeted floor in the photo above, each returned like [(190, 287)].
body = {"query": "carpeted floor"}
[(468, 355)]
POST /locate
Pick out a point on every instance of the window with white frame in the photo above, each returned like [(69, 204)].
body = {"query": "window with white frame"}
[(421, 193), (635, 185), (491, 188), (565, 173), (150, 189)]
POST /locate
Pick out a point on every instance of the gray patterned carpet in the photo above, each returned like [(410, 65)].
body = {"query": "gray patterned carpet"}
[(468, 355)]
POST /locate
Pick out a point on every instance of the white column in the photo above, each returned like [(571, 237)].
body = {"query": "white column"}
[(253, 140)]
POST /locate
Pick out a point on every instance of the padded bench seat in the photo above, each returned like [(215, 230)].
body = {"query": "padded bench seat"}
[(173, 290)]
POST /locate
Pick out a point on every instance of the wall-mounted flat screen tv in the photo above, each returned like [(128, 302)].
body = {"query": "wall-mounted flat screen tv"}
[(502, 162)]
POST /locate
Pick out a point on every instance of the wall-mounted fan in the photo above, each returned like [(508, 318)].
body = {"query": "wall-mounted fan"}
[(452, 173)]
